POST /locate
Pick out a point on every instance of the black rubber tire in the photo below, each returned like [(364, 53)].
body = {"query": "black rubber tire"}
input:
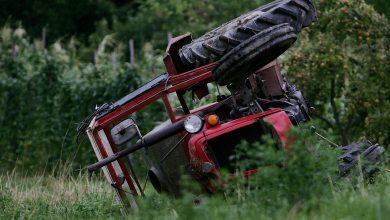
[(371, 157), (215, 44), (254, 53)]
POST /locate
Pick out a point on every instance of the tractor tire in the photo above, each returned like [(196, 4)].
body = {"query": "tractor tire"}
[(253, 54), (215, 44), (371, 157)]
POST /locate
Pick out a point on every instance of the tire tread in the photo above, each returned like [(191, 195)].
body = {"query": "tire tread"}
[(215, 44)]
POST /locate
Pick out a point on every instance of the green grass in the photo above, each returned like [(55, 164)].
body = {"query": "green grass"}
[(300, 184), (49, 197), (55, 196)]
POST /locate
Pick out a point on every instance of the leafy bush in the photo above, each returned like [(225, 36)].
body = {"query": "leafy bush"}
[(286, 177), (301, 182), (45, 93), (342, 64), (382, 6), (155, 19)]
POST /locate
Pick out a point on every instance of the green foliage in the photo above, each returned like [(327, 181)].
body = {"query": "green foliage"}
[(286, 177), (154, 19), (382, 6), (62, 19), (44, 94), (342, 64), (99, 203), (61, 196), (300, 182)]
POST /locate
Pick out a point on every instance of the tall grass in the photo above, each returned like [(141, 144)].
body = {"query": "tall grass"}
[(301, 183), (49, 197), (61, 195), (46, 92)]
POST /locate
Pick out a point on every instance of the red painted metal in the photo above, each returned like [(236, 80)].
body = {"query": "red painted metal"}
[(168, 108), (281, 124), (180, 81), (174, 83), (129, 108), (172, 59), (248, 173), (112, 172), (196, 145), (122, 165)]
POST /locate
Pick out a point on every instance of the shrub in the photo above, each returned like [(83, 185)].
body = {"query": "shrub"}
[(342, 64), (45, 93)]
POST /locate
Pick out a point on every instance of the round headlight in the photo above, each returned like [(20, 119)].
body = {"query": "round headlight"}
[(193, 124)]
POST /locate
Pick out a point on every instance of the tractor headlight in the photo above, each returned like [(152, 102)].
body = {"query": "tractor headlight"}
[(193, 124)]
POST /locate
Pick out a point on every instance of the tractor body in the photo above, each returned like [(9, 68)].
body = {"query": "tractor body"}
[(171, 150), (200, 141)]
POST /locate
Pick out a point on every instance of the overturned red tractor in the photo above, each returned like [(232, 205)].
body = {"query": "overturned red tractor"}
[(239, 56)]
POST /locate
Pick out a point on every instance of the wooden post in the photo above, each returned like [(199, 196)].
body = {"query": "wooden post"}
[(44, 43), (113, 58), (44, 38), (95, 57), (170, 36), (131, 51), (14, 49)]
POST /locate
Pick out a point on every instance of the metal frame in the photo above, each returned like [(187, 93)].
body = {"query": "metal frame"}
[(175, 81), (99, 128)]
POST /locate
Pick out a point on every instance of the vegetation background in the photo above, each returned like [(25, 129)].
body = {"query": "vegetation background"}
[(59, 59)]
